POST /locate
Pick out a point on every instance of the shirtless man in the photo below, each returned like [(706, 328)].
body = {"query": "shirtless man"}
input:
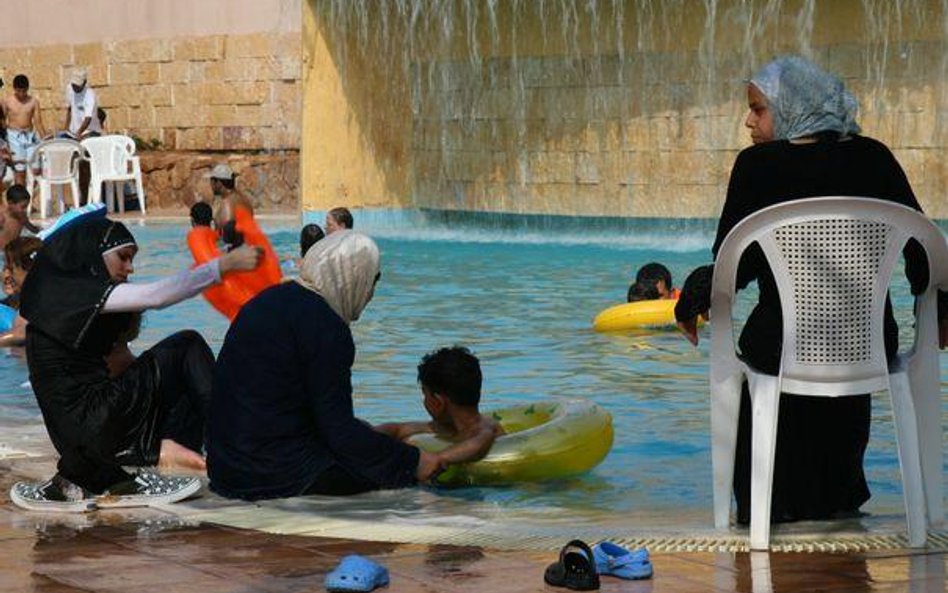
[(24, 125), (223, 185)]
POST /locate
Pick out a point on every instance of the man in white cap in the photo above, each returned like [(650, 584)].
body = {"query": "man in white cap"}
[(228, 197), (81, 108)]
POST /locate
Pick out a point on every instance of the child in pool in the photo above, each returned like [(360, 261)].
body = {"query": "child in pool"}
[(450, 381), (653, 281)]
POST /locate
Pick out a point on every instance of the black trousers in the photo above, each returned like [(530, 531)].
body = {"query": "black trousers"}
[(100, 426), (338, 481)]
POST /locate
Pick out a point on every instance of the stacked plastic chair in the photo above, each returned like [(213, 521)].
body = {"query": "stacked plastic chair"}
[(113, 161)]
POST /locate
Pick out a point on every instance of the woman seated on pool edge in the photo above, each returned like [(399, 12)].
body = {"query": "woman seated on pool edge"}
[(281, 419), (79, 303)]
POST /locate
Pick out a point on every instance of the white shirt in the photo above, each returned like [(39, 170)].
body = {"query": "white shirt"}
[(82, 105)]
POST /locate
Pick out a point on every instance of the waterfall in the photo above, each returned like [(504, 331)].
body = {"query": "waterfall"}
[(614, 107)]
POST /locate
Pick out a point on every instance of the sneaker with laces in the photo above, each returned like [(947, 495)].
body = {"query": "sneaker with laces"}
[(56, 495), (147, 489)]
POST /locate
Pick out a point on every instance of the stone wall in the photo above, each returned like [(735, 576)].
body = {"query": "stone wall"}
[(175, 180), (593, 107), (214, 92)]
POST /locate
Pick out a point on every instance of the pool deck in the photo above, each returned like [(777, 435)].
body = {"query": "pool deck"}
[(172, 549)]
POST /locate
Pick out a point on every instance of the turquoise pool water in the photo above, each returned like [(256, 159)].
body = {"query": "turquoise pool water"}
[(522, 296)]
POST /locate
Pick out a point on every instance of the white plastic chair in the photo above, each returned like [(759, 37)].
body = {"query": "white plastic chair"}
[(113, 161), (832, 259), (57, 162)]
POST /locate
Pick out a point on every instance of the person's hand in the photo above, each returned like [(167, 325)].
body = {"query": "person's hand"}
[(429, 466), (690, 328), (943, 334), (245, 257)]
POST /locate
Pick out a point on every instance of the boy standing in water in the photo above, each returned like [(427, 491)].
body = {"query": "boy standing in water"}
[(451, 384), (24, 125)]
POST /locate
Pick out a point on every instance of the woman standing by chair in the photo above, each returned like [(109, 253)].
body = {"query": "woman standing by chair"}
[(78, 302), (806, 144)]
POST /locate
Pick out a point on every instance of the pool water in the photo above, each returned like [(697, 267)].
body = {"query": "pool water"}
[(523, 301)]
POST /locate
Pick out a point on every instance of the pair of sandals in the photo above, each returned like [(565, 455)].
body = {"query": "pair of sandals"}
[(579, 566)]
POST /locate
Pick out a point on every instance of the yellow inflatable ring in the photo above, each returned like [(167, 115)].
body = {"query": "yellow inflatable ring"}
[(637, 315), (543, 441)]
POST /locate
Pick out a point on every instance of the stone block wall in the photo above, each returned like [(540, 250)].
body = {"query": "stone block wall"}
[(211, 92)]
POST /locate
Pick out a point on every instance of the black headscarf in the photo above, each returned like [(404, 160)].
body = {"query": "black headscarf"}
[(69, 282)]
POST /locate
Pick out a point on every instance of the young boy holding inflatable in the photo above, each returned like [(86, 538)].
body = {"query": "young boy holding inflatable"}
[(450, 381)]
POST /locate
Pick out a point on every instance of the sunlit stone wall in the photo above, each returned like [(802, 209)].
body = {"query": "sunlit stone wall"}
[(592, 107), (179, 74)]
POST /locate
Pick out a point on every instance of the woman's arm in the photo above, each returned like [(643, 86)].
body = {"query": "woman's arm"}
[(128, 297)]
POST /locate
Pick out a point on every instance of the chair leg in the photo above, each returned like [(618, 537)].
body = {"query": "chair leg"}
[(74, 188), (926, 396), (44, 197), (765, 405), (907, 438), (95, 190), (140, 191), (725, 410)]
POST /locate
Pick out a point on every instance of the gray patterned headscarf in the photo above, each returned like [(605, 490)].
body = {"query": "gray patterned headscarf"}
[(805, 99), (343, 268)]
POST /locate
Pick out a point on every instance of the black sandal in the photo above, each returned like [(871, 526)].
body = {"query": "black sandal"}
[(576, 568)]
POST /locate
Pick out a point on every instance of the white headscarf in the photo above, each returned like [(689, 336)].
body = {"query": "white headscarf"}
[(342, 268), (805, 99)]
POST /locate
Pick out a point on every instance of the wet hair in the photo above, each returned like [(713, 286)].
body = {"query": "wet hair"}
[(228, 183), (454, 373), (642, 292), (309, 234), (20, 252), (17, 194), (201, 214), (342, 216), (653, 272), (20, 81)]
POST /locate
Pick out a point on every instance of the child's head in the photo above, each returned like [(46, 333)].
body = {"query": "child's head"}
[(309, 234), (201, 214), (657, 275), (18, 257), (642, 292), (18, 198), (338, 219), (21, 87), (450, 377)]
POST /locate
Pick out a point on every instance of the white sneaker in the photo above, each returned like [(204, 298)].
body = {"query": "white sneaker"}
[(147, 489), (56, 495)]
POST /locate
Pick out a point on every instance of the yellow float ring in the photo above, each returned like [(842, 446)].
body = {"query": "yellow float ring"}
[(543, 441), (638, 315)]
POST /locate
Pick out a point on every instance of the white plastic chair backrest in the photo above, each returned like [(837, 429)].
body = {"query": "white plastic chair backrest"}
[(110, 154), (832, 259), (57, 159)]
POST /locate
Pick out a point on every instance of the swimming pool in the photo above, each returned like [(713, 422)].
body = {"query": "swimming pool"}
[(523, 297)]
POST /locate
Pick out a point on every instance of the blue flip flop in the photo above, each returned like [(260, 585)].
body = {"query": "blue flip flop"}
[(356, 573), (612, 559)]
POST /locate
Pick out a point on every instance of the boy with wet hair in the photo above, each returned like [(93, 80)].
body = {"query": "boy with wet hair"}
[(450, 381), (201, 214)]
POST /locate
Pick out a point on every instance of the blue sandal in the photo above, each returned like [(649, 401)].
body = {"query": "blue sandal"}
[(356, 573), (612, 559)]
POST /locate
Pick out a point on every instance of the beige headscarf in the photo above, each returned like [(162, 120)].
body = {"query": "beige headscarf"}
[(342, 268)]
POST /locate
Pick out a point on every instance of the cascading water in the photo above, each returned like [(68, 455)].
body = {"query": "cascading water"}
[(625, 108)]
